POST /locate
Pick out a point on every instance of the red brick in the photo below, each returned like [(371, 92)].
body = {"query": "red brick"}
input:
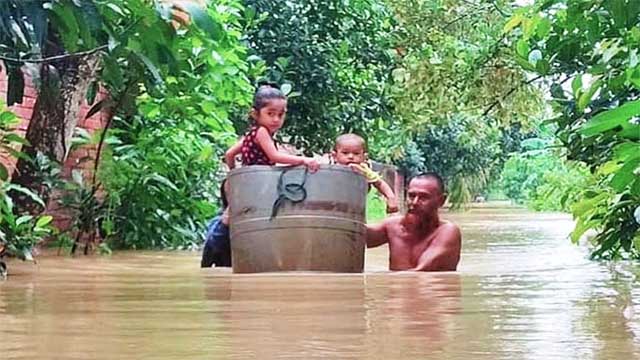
[(30, 92), (92, 123)]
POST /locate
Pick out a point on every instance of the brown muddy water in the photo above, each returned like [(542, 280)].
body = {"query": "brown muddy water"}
[(522, 292)]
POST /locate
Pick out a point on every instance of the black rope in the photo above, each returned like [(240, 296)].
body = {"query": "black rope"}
[(294, 192)]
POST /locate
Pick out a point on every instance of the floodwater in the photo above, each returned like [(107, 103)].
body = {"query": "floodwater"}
[(523, 291)]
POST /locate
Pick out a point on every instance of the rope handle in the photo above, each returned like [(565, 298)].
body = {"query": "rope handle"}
[(294, 192)]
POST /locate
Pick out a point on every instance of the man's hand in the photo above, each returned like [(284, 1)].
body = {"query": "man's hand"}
[(392, 206)]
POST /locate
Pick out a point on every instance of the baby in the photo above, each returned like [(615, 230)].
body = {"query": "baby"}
[(350, 150)]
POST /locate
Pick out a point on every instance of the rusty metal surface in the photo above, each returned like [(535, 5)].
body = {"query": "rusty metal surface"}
[(325, 232)]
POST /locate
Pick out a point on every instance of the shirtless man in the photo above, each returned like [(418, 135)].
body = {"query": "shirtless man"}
[(419, 240)]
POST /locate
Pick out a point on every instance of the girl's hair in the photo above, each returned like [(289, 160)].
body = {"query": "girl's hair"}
[(265, 93)]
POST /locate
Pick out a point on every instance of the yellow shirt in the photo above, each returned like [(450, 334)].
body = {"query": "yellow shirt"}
[(369, 174)]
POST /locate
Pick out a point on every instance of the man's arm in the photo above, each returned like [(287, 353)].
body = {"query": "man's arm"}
[(443, 254), (377, 234)]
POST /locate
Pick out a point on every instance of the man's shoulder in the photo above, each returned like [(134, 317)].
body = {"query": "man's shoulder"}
[(449, 231)]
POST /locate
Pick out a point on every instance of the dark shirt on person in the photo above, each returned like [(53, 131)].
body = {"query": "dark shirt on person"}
[(217, 246)]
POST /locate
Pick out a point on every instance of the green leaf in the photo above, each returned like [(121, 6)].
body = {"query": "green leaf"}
[(611, 118), (580, 208), (625, 175), (15, 138), (151, 67), (105, 103), (4, 173), (626, 150), (27, 192), (585, 98), (7, 118), (581, 227), (512, 23), (66, 21), (576, 85), (24, 219), (202, 19), (44, 221), (544, 26), (162, 180), (522, 48)]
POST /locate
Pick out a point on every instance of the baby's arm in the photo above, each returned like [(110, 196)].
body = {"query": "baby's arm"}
[(230, 155), (266, 143), (385, 189)]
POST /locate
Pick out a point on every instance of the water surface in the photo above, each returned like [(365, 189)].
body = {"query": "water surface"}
[(523, 291)]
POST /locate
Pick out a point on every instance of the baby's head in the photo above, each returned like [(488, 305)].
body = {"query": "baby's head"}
[(269, 107), (349, 149)]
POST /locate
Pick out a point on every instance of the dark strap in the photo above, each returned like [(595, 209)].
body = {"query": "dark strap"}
[(294, 192)]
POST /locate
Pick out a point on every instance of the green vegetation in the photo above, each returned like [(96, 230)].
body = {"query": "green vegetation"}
[(453, 86), (588, 52)]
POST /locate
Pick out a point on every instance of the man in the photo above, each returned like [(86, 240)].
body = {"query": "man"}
[(419, 240)]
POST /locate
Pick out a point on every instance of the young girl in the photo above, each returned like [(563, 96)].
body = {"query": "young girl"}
[(257, 145)]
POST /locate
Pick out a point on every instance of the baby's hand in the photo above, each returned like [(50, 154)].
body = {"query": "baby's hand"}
[(311, 164), (357, 168)]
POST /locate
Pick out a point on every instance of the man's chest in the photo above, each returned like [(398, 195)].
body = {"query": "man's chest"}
[(406, 249)]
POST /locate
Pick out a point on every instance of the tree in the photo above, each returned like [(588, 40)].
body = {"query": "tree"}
[(66, 45), (588, 52), (335, 56), (462, 98)]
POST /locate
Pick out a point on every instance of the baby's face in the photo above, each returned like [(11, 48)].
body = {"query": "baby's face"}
[(349, 152)]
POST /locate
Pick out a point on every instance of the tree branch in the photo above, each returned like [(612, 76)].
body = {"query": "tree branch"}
[(54, 58), (508, 93)]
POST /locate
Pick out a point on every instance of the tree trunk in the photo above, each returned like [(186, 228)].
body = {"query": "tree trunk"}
[(55, 116)]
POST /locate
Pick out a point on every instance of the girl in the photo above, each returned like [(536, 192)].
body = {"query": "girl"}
[(257, 145)]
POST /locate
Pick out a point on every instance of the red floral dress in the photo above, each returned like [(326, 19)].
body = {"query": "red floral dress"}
[(252, 153)]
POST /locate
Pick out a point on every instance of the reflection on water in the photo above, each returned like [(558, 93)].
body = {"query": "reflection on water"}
[(522, 292)]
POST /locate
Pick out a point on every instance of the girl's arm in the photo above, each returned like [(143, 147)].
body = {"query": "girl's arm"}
[(266, 143), (385, 189), (230, 155)]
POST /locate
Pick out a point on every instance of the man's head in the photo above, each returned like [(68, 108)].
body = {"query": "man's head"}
[(349, 149), (425, 194)]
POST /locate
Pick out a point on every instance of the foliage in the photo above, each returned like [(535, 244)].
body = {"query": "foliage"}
[(160, 184), (462, 151), (18, 232), (376, 207), (539, 177), (464, 102), (87, 210), (593, 46), (454, 61), (173, 71), (335, 56), (160, 171)]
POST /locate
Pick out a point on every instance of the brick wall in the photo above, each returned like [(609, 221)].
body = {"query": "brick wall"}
[(77, 158)]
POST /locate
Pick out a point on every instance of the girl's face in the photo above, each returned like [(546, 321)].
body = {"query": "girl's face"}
[(271, 115)]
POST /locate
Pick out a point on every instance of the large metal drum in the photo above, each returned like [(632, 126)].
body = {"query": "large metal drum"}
[(324, 232)]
